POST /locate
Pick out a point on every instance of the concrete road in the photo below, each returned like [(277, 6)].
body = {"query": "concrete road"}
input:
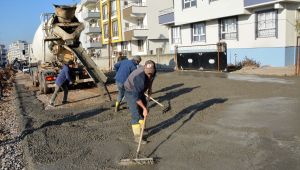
[(217, 121)]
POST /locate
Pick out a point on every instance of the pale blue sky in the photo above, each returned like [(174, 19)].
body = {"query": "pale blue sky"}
[(20, 18)]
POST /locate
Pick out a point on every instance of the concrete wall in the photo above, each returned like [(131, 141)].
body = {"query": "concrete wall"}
[(163, 62)]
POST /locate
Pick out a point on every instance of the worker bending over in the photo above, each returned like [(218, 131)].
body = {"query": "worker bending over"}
[(62, 81), (139, 82), (123, 69)]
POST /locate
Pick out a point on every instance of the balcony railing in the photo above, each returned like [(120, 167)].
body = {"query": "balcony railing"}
[(129, 4), (166, 11), (166, 16), (135, 27)]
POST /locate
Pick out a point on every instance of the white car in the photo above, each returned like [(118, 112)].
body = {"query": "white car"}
[(25, 69)]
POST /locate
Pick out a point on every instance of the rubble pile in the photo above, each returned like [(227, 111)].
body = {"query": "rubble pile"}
[(11, 153)]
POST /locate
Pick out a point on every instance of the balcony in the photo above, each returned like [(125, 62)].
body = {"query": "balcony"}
[(88, 15), (166, 16), (93, 44), (89, 30), (135, 32), (88, 2), (256, 2), (134, 9)]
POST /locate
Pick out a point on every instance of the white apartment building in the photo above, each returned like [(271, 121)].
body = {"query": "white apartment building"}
[(135, 28), (3, 57), (263, 30), (88, 13), (20, 50), (142, 31)]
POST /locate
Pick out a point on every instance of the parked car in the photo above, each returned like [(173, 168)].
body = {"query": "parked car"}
[(25, 69)]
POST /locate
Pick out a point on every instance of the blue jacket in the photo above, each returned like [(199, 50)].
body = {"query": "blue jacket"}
[(123, 69), (63, 76)]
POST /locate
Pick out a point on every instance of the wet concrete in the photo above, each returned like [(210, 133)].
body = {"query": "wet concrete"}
[(217, 121)]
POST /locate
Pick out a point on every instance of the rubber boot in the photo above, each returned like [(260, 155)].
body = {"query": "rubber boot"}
[(117, 106), (136, 129)]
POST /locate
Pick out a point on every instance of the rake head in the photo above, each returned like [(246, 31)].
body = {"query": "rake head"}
[(137, 161)]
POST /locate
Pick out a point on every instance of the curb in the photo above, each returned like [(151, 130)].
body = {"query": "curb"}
[(23, 121)]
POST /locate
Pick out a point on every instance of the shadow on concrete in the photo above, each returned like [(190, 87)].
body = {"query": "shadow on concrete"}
[(189, 111), (174, 86), (173, 94), (72, 118)]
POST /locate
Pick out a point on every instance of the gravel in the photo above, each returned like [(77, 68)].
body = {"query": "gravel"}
[(11, 152)]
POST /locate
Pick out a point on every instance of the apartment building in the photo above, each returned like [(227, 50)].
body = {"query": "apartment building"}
[(3, 58), (134, 26), (19, 49), (88, 13), (263, 30)]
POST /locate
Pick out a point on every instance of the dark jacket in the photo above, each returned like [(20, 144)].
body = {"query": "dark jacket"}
[(123, 69), (138, 83), (63, 76)]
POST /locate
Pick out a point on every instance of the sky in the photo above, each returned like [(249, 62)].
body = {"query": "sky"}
[(19, 19)]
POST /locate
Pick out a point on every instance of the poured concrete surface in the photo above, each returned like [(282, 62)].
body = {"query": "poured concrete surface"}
[(217, 121)]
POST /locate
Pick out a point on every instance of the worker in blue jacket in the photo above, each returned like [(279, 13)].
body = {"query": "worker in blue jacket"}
[(137, 84), (62, 81), (123, 69)]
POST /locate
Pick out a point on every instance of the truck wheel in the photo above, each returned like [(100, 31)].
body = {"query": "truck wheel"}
[(46, 89), (41, 88)]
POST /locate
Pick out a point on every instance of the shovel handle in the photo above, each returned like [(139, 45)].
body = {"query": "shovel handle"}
[(141, 137), (154, 100)]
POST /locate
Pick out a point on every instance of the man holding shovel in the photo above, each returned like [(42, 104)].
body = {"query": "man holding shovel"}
[(138, 82)]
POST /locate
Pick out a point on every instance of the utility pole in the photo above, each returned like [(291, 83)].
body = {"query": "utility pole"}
[(109, 35)]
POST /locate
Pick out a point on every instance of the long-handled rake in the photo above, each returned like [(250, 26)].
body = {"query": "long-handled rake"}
[(165, 108), (137, 160)]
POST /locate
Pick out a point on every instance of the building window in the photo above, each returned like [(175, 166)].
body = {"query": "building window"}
[(228, 29), (105, 26), (176, 35), (113, 7), (141, 45), (189, 3), (104, 12), (124, 46), (266, 25), (115, 29), (199, 32)]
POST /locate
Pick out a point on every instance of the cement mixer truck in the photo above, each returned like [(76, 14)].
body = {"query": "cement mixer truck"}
[(55, 42)]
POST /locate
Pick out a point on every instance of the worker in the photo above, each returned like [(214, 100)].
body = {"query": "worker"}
[(123, 69), (138, 83), (121, 57), (62, 81)]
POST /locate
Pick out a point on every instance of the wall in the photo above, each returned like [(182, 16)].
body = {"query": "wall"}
[(204, 10), (156, 31), (163, 62)]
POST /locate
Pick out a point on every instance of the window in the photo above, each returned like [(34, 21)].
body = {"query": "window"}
[(140, 45), (189, 3), (228, 29), (124, 45), (104, 12), (176, 36), (113, 7), (266, 24), (115, 29), (105, 26), (199, 32)]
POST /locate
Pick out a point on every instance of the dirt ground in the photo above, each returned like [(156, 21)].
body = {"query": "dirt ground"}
[(217, 121)]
